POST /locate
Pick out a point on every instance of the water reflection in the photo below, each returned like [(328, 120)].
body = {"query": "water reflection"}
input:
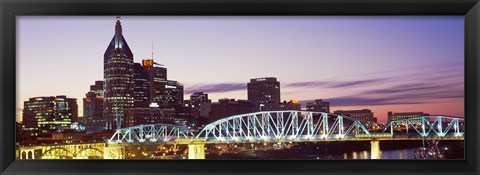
[(388, 154)]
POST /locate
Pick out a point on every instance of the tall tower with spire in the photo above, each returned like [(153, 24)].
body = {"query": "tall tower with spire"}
[(118, 79)]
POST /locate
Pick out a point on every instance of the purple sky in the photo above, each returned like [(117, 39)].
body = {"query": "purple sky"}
[(394, 63)]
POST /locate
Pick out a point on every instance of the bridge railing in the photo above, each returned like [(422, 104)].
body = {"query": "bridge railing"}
[(441, 126), (150, 133), (282, 125)]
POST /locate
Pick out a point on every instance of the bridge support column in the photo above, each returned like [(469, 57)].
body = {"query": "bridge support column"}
[(196, 151), (375, 149), (113, 152)]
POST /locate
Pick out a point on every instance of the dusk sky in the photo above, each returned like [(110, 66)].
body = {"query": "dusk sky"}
[(394, 63)]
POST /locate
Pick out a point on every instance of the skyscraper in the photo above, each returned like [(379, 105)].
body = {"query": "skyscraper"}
[(93, 103), (141, 89), (157, 77), (263, 91), (118, 78), (97, 88), (196, 100), (173, 94)]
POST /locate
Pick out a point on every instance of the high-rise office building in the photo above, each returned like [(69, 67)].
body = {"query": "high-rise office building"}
[(318, 106), (157, 77), (196, 100), (49, 114), (98, 88), (141, 88), (118, 79), (173, 94), (152, 86), (93, 108), (263, 91)]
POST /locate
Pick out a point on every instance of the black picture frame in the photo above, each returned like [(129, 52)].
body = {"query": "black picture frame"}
[(9, 9)]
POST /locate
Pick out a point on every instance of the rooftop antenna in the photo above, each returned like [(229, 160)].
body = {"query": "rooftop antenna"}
[(152, 50)]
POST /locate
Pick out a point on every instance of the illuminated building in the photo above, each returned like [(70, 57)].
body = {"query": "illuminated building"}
[(173, 94), (151, 86), (365, 116), (93, 103), (92, 112), (263, 91), (290, 105), (183, 113), (319, 106), (49, 114), (141, 88), (228, 107), (196, 100), (157, 79), (97, 88), (118, 78), (148, 115), (404, 115), (166, 93)]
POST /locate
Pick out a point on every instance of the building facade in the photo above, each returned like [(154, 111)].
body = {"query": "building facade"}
[(173, 94), (365, 116), (263, 91), (141, 88), (157, 78), (290, 105), (404, 115), (118, 79), (98, 88), (93, 106), (49, 114), (148, 115), (318, 106), (196, 100), (228, 107)]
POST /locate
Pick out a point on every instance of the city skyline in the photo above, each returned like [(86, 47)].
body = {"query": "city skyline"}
[(424, 42)]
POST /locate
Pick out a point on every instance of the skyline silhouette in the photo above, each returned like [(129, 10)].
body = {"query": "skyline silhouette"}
[(393, 63)]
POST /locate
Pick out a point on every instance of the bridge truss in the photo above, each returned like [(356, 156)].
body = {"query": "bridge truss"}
[(150, 133), (282, 126), (441, 126)]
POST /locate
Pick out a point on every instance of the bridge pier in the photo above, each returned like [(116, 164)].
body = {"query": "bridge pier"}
[(196, 150), (113, 152), (375, 149)]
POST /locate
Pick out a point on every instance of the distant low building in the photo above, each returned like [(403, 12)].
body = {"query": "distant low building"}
[(150, 115), (290, 105), (318, 106), (365, 116), (228, 107), (404, 115)]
